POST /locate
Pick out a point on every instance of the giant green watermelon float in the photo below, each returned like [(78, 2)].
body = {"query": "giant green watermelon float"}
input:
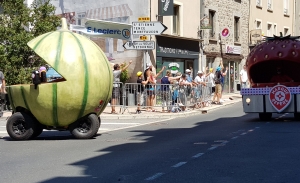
[(73, 103)]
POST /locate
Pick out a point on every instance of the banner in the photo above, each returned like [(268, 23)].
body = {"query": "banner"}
[(104, 29), (165, 8)]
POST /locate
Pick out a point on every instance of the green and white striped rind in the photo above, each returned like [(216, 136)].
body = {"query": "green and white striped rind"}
[(88, 80)]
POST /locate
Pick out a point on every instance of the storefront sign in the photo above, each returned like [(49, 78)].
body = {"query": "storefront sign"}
[(233, 49), (174, 67), (165, 8), (104, 29)]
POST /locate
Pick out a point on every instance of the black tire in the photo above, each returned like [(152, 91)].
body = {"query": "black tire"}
[(297, 116), (20, 126), (38, 130), (265, 116), (86, 127)]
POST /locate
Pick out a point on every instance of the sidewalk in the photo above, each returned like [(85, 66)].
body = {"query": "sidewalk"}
[(130, 112)]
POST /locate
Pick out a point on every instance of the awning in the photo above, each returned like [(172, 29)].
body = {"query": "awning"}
[(225, 56), (105, 13)]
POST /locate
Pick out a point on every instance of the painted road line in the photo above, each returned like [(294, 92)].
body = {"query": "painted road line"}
[(235, 137), (243, 133), (120, 123), (257, 127), (155, 176), (212, 148), (178, 164), (140, 124), (198, 155)]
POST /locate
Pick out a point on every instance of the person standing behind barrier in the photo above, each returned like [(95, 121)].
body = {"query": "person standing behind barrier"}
[(116, 87), (165, 88), (2, 83), (150, 86), (217, 80), (244, 77), (183, 84), (210, 80), (140, 90), (200, 80)]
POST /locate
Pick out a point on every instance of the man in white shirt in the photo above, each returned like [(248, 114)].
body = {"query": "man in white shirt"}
[(244, 77)]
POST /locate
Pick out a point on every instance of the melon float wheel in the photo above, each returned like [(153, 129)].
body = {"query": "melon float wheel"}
[(86, 127), (85, 89), (20, 126)]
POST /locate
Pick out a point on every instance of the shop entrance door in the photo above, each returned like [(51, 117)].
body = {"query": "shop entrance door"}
[(232, 77)]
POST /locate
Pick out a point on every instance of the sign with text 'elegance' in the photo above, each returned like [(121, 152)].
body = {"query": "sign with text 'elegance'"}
[(148, 28)]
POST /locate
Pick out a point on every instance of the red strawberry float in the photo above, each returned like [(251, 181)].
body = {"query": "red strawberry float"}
[(265, 58)]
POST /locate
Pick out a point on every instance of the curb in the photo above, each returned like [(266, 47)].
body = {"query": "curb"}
[(169, 115), (155, 116)]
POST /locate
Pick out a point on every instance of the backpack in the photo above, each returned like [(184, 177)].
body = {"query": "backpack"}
[(217, 77), (165, 83)]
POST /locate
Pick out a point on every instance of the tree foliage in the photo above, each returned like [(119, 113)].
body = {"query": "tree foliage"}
[(18, 25)]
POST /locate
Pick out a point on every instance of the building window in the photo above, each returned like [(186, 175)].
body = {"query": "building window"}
[(286, 31), (209, 62), (258, 3), (269, 29), (212, 23), (275, 29), (236, 29), (270, 5), (80, 17), (285, 7), (176, 22), (258, 24)]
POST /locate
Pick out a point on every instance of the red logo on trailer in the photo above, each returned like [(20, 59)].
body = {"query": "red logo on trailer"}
[(280, 97)]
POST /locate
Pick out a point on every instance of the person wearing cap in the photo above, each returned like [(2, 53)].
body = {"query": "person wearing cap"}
[(165, 82), (116, 86), (140, 90), (200, 81), (218, 87)]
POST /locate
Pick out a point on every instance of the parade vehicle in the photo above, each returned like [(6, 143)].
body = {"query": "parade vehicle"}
[(273, 69), (72, 102)]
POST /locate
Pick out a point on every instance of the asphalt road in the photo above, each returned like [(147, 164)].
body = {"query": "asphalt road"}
[(223, 146)]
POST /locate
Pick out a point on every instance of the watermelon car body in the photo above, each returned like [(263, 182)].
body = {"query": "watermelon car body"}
[(85, 89), (267, 96)]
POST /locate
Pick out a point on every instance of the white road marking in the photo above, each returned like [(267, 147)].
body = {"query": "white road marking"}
[(178, 164), (235, 137), (244, 133), (212, 148), (198, 155), (140, 124), (251, 130), (154, 176), (257, 127), (120, 123)]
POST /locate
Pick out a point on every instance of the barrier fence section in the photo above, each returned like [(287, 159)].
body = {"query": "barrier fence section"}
[(167, 97)]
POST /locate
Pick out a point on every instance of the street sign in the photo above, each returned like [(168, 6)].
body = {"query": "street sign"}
[(148, 28), (143, 38), (139, 45), (144, 19)]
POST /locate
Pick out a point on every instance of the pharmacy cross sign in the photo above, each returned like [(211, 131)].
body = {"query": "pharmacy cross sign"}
[(148, 28)]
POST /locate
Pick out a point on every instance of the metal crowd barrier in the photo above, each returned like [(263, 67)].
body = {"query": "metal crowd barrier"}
[(167, 97)]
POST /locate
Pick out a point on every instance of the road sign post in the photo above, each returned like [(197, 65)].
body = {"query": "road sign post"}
[(140, 45), (148, 28)]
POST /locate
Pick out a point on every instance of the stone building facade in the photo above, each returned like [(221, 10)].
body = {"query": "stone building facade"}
[(224, 33)]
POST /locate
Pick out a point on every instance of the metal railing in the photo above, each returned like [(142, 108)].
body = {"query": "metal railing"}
[(167, 97)]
